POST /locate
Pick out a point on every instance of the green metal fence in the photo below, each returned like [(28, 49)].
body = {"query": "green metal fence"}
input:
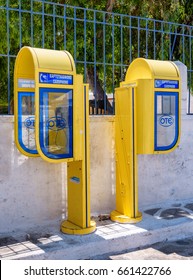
[(103, 44)]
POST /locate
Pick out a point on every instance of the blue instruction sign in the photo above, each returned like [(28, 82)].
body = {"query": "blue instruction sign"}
[(166, 84), (49, 78)]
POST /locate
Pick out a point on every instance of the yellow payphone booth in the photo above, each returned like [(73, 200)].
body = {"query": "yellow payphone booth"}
[(147, 121), (51, 121)]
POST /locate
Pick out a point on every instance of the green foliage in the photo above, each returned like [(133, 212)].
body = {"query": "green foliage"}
[(108, 40)]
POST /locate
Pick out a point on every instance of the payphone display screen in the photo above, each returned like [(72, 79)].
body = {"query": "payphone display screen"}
[(56, 123), (166, 120), (26, 122)]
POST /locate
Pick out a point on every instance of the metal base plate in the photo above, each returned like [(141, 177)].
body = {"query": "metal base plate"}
[(120, 218), (70, 228)]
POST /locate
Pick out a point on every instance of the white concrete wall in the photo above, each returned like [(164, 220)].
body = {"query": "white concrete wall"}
[(33, 192), (102, 164)]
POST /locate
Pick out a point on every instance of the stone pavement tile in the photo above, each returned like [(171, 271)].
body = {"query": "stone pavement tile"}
[(146, 254), (173, 250)]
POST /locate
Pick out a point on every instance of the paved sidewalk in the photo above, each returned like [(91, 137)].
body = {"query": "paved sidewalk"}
[(160, 235), (166, 250)]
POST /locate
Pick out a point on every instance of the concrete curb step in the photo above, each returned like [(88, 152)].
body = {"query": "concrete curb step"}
[(109, 238)]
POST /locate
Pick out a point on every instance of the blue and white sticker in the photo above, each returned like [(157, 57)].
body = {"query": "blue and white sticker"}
[(29, 123), (75, 180), (26, 83), (166, 84), (166, 120), (56, 123), (60, 79)]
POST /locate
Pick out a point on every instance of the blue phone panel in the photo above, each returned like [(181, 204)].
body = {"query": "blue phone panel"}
[(56, 123), (166, 120), (26, 122)]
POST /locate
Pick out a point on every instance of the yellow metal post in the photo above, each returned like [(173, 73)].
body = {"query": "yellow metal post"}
[(78, 172), (126, 157), (147, 121)]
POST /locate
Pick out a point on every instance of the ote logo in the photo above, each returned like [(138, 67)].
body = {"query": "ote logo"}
[(56, 124), (166, 120), (30, 123)]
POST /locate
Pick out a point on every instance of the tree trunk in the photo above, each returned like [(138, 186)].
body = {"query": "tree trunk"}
[(101, 100)]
